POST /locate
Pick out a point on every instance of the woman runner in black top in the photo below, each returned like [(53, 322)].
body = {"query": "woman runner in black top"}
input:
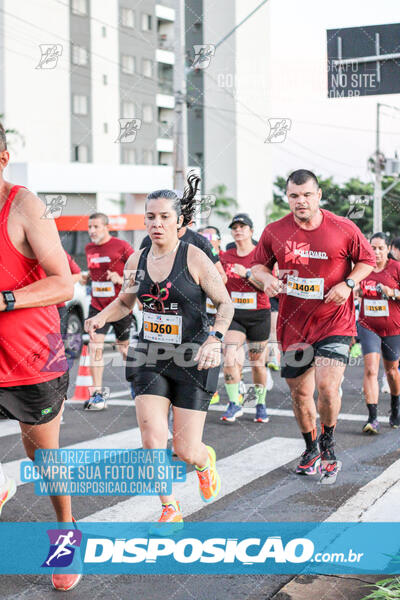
[(177, 359)]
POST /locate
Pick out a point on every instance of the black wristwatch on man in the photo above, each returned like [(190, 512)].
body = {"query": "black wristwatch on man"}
[(9, 300)]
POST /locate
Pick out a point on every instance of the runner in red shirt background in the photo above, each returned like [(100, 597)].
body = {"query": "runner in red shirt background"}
[(379, 331), (323, 257), (250, 324), (106, 257), (61, 307)]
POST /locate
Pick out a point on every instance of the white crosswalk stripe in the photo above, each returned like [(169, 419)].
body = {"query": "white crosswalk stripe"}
[(278, 450), (130, 438)]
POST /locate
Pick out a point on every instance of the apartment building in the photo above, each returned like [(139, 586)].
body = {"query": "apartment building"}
[(88, 86)]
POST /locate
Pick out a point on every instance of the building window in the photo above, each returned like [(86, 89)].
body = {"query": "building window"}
[(105, 80), (128, 156), (147, 157), (146, 22), (128, 64), (81, 154), (147, 113), (128, 110), (79, 105), (147, 67), (79, 55), (127, 17), (103, 32), (79, 7), (105, 127)]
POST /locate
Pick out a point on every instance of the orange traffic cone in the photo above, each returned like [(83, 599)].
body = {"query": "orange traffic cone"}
[(84, 379)]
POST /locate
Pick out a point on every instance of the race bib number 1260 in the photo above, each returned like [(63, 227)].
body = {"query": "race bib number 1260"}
[(162, 328)]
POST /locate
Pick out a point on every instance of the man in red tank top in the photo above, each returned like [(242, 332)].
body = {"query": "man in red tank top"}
[(34, 277)]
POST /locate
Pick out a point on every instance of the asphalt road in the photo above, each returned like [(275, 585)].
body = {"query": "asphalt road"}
[(262, 485)]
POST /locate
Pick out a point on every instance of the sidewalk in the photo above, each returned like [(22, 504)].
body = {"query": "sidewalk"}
[(328, 587)]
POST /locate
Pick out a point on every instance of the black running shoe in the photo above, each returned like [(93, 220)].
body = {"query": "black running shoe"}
[(310, 461), (394, 419), (326, 447)]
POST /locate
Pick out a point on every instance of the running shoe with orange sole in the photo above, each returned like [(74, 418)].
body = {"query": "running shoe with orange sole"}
[(7, 492), (209, 480), (171, 520), (64, 582)]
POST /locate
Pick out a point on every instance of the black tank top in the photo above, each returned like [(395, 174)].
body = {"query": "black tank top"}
[(174, 318)]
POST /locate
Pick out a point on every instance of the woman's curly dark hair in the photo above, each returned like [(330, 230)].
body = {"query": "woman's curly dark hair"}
[(186, 205)]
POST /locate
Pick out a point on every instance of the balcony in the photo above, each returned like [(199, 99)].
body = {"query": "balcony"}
[(165, 101), (165, 86), (165, 56), (165, 139), (166, 130), (164, 13), (166, 42)]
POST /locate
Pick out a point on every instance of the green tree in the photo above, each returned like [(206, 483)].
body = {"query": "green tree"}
[(224, 206), (335, 197)]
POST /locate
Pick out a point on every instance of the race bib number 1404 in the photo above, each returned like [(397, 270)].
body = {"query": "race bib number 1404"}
[(309, 289)]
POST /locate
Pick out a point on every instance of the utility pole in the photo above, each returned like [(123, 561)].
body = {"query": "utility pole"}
[(378, 177), (180, 137)]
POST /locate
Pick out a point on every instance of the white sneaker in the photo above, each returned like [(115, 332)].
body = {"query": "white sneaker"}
[(385, 389), (270, 381), (7, 492)]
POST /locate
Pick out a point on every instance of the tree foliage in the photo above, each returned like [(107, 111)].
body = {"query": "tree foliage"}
[(224, 206)]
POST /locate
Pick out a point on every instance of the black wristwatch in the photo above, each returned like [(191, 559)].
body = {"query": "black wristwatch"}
[(350, 283), (9, 299), (248, 274), (217, 334)]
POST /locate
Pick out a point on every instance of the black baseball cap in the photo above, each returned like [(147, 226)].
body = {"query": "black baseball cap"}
[(242, 218)]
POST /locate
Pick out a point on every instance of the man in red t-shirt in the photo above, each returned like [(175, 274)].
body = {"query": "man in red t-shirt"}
[(63, 311), (321, 258), (106, 257)]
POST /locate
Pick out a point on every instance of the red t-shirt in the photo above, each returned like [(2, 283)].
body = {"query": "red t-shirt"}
[(101, 258), (244, 295), (311, 263), (74, 268), (374, 305)]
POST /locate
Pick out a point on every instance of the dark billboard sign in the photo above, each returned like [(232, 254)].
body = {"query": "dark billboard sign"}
[(364, 61)]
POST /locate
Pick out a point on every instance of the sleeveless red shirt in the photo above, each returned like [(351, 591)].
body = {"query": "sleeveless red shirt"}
[(31, 348)]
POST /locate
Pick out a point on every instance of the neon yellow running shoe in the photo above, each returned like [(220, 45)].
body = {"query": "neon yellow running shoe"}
[(209, 481), (215, 399), (171, 520)]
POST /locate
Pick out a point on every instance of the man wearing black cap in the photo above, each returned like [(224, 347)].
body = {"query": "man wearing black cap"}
[(250, 323)]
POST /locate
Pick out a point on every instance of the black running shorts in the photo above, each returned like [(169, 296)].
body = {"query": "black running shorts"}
[(122, 327), (255, 324), (388, 346), (182, 394), (34, 404), (297, 361)]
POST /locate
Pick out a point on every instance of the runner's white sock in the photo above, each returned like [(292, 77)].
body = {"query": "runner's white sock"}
[(2, 477)]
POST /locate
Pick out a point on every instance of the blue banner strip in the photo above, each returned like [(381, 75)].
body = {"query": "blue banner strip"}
[(207, 548)]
